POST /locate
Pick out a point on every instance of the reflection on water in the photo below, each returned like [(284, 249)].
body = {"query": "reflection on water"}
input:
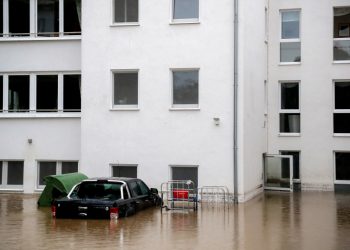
[(273, 220)]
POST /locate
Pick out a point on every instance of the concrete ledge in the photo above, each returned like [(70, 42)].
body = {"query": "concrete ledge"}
[(316, 187)]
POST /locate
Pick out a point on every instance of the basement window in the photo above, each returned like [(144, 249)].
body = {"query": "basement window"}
[(48, 17), (124, 171), (69, 167), (342, 166), (18, 93), (46, 168), (341, 116), (19, 17), (47, 89), (72, 17), (11, 174), (126, 11), (71, 93)]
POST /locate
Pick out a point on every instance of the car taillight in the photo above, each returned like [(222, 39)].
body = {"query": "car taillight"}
[(114, 213), (53, 210)]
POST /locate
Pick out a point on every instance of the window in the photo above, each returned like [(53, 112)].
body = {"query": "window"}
[(290, 111), (46, 92), (11, 174), (124, 171), (342, 167), (125, 89), (185, 88), (46, 168), (185, 173), (185, 9), (126, 11), (51, 19), (341, 116), (71, 93), (54, 93), (143, 187), (341, 27), (135, 189), (290, 37), (296, 164), (18, 93)]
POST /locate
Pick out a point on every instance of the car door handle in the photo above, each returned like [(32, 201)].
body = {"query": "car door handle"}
[(82, 208)]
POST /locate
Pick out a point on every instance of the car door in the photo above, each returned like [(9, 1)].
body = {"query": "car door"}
[(138, 195)]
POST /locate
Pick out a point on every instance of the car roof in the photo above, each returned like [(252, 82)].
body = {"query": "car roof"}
[(124, 179)]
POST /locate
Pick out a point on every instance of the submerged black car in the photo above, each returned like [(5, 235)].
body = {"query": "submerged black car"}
[(106, 198)]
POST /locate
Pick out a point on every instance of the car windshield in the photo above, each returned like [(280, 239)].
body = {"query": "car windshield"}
[(96, 190)]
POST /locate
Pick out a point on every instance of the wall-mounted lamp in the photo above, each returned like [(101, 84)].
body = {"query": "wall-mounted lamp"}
[(216, 121), (30, 141)]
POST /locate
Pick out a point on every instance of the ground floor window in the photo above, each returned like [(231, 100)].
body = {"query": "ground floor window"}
[(185, 173), (129, 171), (296, 165), (11, 174), (46, 168), (342, 167)]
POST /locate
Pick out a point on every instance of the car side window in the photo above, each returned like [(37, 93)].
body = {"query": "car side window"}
[(135, 189), (74, 193), (125, 192), (143, 187)]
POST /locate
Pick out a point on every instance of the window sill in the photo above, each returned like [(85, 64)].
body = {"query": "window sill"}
[(289, 63), (124, 24), (12, 190), (124, 109), (40, 115), (289, 134), (342, 182), (341, 134), (184, 109), (31, 39), (184, 21), (341, 62)]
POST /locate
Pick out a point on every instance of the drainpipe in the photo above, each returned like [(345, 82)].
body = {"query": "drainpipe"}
[(235, 104)]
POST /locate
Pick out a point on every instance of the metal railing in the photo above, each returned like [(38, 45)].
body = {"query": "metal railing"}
[(215, 195)]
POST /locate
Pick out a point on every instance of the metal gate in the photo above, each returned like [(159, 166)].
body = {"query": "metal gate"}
[(214, 195), (179, 195)]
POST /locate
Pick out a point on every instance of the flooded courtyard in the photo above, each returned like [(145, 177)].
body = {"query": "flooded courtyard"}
[(273, 220)]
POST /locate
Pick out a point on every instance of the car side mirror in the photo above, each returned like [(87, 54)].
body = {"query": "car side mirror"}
[(154, 191)]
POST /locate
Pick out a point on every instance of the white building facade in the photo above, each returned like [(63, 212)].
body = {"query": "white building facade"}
[(146, 89)]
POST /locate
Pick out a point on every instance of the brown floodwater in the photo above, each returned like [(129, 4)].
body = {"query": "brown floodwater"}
[(274, 220)]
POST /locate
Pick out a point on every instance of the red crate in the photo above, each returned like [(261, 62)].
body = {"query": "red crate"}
[(180, 194)]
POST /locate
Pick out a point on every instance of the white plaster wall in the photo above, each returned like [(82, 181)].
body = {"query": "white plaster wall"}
[(155, 137), (252, 74), (316, 74)]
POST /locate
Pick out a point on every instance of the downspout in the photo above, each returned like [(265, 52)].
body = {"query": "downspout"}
[(235, 104)]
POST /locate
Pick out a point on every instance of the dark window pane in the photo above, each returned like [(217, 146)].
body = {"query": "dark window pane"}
[(104, 191), (48, 17), (1, 93), (285, 164), (71, 93), (185, 87), (290, 52), (341, 123), (46, 168), (290, 123), (124, 171), (15, 173), (135, 189), (1, 19), (69, 167), (342, 95), (341, 50), (46, 93), (290, 25), (289, 95), (18, 93), (143, 187), (341, 22), (186, 173), (185, 9), (125, 89), (132, 10), (19, 17), (0, 172), (119, 11), (342, 166), (72, 16)]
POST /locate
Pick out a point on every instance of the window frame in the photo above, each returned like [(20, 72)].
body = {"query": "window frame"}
[(295, 180), (338, 39), (126, 107), (346, 182), (58, 170), (288, 111), (183, 20), (184, 107), (116, 24), (4, 186), (289, 40), (112, 165), (339, 111)]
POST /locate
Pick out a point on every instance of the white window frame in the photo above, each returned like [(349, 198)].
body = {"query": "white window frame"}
[(32, 96), (58, 170), (175, 107), (127, 107), (184, 20), (335, 168), (293, 40), (339, 111), (4, 186), (288, 111), (111, 165), (294, 151), (33, 24), (338, 39), (116, 24)]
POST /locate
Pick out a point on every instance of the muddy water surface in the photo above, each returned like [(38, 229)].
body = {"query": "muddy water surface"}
[(271, 221)]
